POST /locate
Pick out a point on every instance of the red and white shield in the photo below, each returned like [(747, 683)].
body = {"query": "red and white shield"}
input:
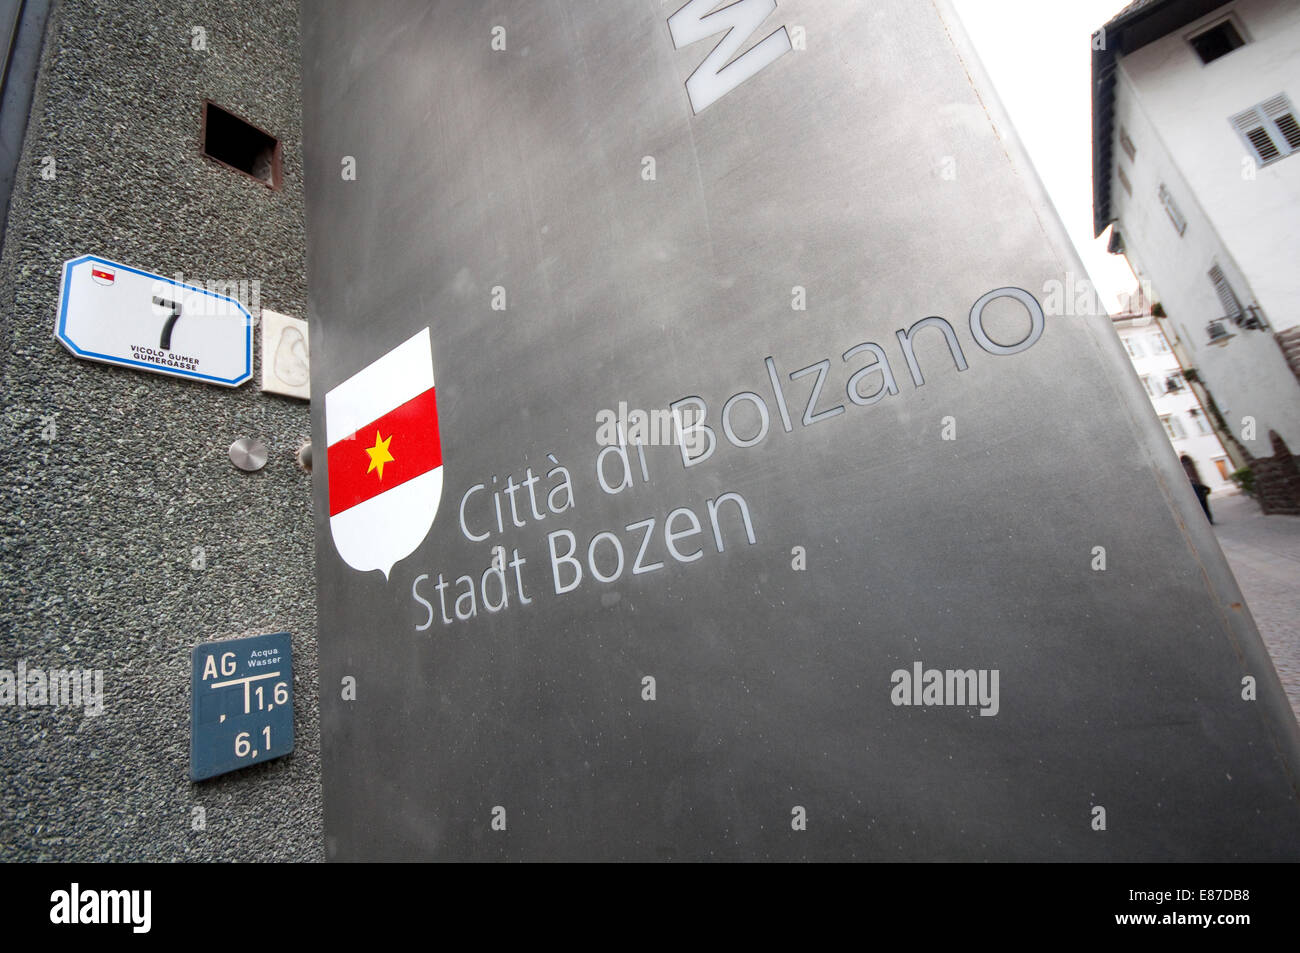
[(102, 274), (384, 457)]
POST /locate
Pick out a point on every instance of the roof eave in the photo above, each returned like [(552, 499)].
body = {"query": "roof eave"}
[(1103, 103)]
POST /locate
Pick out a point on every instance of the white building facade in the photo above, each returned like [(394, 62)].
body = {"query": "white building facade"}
[(1186, 420), (1196, 114)]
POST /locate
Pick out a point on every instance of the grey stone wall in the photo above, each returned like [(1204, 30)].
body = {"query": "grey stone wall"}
[(112, 477)]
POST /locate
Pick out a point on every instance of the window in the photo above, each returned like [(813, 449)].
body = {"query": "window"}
[(1133, 347), (1127, 144), (1173, 427), (1158, 345), (1222, 464), (1171, 207), (1123, 180), (1216, 41), (1173, 384), (1227, 297), (1198, 419), (1146, 382), (1269, 130), (240, 146)]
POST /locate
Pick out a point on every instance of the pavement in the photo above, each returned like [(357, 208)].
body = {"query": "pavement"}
[(1264, 553)]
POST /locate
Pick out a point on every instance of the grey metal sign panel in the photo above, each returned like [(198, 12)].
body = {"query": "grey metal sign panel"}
[(939, 589)]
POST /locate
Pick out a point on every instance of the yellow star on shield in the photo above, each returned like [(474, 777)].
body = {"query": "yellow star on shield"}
[(379, 454)]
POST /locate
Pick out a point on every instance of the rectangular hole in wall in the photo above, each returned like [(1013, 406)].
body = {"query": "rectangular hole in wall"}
[(240, 145), (1219, 40)]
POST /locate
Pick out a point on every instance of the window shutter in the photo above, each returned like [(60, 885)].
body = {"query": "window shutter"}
[(1127, 144), (1227, 297), (1290, 130), (1279, 110), (1253, 127), (1175, 213), (1270, 129)]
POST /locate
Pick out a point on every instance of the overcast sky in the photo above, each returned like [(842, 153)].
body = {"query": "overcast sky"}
[(1038, 53)]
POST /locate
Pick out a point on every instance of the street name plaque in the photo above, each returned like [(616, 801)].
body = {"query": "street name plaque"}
[(114, 314), (710, 471)]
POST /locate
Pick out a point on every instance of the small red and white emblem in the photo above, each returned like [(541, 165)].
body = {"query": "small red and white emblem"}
[(384, 457), (102, 274)]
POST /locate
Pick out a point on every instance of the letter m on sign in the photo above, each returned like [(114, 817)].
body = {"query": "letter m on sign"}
[(719, 74)]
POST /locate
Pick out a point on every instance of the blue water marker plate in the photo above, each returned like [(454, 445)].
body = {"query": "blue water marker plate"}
[(241, 703)]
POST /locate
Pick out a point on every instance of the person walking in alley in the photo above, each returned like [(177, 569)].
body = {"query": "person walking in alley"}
[(1202, 491)]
